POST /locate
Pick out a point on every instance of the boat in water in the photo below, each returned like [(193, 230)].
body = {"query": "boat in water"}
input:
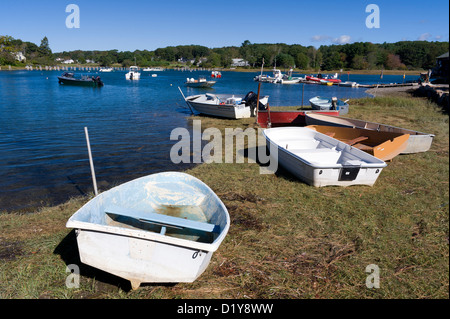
[(70, 78), (382, 145), (106, 70), (319, 78), (133, 73), (156, 69), (161, 228), (417, 141), (322, 103), (199, 83), (226, 105), (320, 160)]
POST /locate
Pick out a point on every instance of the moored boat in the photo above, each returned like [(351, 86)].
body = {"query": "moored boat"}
[(158, 228), (321, 103), (70, 78), (417, 141), (382, 145), (133, 73), (199, 83), (319, 78), (320, 160)]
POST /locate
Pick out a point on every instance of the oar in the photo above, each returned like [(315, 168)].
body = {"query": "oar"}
[(94, 181), (185, 100)]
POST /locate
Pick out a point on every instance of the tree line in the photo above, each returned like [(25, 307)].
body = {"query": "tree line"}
[(401, 55)]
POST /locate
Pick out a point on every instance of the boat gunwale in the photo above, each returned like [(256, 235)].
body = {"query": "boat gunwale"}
[(149, 235), (335, 166)]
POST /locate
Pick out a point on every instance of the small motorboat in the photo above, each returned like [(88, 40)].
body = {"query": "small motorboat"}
[(199, 83), (417, 142), (382, 145), (226, 105), (321, 103), (106, 70), (320, 78), (70, 78), (133, 73), (320, 160), (158, 228)]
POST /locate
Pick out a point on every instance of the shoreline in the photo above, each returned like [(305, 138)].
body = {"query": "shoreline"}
[(354, 72)]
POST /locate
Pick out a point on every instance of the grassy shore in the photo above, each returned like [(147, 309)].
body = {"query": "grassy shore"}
[(287, 239)]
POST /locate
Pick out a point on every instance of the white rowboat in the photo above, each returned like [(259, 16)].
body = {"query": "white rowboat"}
[(158, 228), (320, 160)]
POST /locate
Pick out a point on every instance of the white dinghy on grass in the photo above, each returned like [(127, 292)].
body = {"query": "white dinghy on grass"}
[(320, 160), (158, 228)]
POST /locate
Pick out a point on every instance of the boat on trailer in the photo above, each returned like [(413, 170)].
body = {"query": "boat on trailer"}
[(417, 141), (161, 228), (320, 160)]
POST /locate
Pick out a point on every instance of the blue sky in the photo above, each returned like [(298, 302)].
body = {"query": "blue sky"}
[(149, 24)]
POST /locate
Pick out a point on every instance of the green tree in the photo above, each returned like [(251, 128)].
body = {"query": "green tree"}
[(44, 48)]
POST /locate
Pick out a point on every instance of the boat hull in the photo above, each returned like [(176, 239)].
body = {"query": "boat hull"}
[(217, 108), (77, 82), (206, 84), (140, 251), (320, 160), (382, 145), (417, 141), (287, 118), (318, 103)]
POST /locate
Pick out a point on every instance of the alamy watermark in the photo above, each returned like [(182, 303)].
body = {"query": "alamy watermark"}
[(73, 279), (373, 280), (73, 19), (373, 19), (213, 152)]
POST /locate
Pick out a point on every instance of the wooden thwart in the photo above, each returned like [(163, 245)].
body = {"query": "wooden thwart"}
[(162, 220)]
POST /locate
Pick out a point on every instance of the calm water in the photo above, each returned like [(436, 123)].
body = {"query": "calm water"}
[(43, 153)]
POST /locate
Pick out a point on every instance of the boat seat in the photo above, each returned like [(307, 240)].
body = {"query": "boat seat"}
[(162, 220), (313, 150)]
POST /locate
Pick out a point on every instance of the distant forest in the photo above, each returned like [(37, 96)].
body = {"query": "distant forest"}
[(403, 55)]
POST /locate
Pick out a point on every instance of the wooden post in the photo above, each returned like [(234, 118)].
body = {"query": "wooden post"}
[(90, 161), (257, 101), (303, 91)]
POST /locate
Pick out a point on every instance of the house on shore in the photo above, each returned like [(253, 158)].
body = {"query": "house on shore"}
[(440, 72)]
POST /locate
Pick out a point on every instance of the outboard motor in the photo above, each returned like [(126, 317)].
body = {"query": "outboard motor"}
[(251, 100), (334, 103)]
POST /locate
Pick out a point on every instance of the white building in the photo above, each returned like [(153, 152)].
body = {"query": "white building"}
[(19, 56), (239, 62)]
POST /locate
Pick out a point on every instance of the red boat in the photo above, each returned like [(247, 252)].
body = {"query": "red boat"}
[(318, 79), (287, 118)]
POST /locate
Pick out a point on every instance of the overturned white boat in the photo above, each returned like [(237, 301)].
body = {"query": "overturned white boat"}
[(158, 228), (226, 105), (320, 160)]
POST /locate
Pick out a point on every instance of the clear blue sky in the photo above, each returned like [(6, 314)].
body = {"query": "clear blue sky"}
[(151, 24)]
